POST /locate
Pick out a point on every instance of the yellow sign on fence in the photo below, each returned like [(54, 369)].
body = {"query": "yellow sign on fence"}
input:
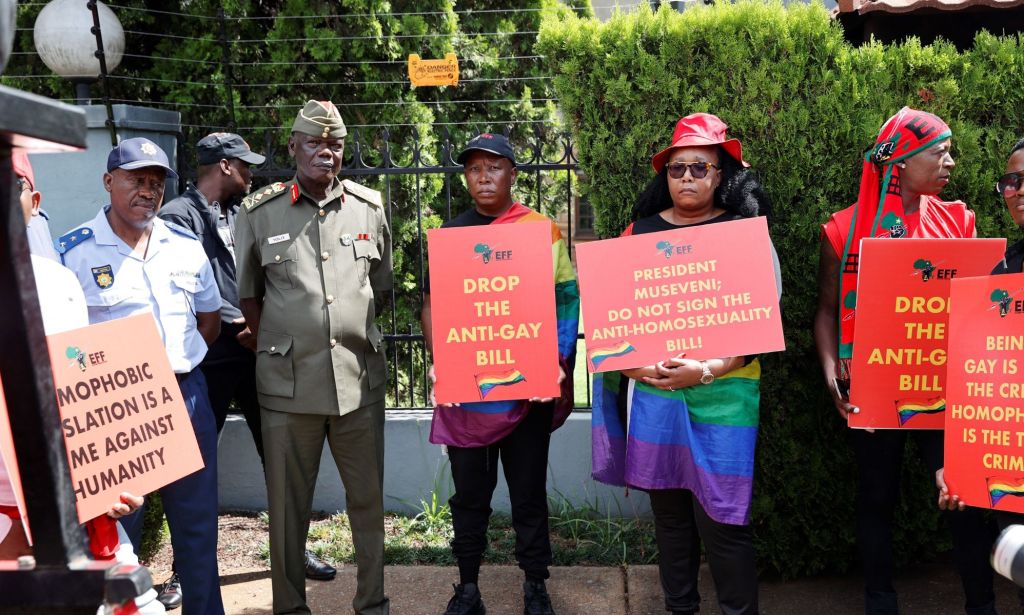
[(434, 72)]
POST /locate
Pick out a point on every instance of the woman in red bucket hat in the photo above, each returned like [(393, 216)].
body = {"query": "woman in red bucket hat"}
[(901, 177), (692, 425)]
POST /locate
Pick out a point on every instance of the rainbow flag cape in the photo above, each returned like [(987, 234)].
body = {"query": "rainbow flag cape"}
[(909, 408), (599, 355), (485, 422), (1002, 486), (487, 382), (700, 438)]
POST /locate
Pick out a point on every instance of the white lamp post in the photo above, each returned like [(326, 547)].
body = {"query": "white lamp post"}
[(66, 42)]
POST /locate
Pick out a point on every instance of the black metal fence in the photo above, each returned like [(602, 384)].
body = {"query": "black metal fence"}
[(401, 170)]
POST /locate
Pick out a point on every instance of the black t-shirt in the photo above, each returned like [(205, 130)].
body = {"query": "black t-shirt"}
[(655, 223), (1013, 260), (470, 217)]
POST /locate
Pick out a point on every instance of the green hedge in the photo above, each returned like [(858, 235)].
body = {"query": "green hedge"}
[(806, 105)]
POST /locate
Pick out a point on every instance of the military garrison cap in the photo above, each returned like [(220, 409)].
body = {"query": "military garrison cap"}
[(320, 118)]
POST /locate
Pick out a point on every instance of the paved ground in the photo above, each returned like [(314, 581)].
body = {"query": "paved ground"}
[(424, 590)]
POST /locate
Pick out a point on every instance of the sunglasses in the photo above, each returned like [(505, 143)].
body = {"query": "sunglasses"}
[(698, 170), (1009, 183), (23, 184)]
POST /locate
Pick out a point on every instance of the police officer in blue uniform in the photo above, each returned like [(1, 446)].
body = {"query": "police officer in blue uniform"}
[(129, 262)]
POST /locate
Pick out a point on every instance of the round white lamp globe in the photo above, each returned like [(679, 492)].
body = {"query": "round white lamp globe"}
[(64, 40)]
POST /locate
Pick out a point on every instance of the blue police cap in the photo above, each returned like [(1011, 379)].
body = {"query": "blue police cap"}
[(139, 153)]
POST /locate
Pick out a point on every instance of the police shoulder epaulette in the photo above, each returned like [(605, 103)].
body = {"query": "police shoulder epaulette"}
[(179, 229), (367, 194), (73, 238), (262, 196)]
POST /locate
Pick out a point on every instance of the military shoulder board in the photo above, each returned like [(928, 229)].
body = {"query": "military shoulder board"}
[(72, 239), (262, 196), (179, 229), (367, 194)]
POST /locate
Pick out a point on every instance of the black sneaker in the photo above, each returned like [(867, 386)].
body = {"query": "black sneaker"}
[(536, 600), (466, 601), (170, 593)]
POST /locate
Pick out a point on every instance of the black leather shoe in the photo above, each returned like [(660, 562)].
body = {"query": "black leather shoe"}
[(535, 599), (466, 601), (317, 569), (170, 593)]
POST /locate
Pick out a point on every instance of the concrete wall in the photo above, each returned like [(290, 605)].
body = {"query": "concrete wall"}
[(72, 183), (413, 468)]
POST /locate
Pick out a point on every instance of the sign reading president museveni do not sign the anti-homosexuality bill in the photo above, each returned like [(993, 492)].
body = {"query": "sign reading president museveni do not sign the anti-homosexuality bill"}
[(707, 291), (493, 321)]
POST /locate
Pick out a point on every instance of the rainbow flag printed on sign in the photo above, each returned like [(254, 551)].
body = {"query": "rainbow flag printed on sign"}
[(598, 355), (487, 382), (909, 408), (1002, 486)]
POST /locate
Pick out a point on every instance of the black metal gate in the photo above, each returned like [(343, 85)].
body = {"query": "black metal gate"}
[(400, 169)]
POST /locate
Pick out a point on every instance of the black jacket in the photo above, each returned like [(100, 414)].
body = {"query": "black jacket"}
[(193, 211)]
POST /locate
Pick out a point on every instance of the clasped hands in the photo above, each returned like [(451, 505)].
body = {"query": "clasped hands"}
[(669, 375)]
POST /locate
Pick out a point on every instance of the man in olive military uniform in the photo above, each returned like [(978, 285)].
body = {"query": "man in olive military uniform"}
[(314, 264)]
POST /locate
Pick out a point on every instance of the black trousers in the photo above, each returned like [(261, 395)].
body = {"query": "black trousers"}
[(235, 379), (680, 524), (879, 459), (524, 459)]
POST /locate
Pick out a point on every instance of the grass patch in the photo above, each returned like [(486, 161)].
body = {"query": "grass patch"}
[(580, 536), (154, 527), (580, 377)]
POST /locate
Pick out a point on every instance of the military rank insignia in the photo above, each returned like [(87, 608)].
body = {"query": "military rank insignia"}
[(103, 276)]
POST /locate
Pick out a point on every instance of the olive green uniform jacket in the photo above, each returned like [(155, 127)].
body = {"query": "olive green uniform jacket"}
[(318, 268)]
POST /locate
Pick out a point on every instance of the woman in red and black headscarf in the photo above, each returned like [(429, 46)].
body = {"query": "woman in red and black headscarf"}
[(903, 173)]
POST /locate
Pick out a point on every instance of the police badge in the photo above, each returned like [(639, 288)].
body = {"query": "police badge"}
[(103, 276)]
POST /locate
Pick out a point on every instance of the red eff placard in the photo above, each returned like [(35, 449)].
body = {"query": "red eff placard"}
[(985, 392), (492, 303), (125, 425), (708, 291), (7, 456), (898, 372)]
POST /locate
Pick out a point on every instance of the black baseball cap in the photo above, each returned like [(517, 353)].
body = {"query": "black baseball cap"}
[(488, 142), (224, 146)]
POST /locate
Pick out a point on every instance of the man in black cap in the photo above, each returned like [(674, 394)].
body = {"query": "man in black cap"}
[(208, 209), (518, 432)]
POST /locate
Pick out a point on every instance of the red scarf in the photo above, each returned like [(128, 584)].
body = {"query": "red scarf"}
[(879, 208)]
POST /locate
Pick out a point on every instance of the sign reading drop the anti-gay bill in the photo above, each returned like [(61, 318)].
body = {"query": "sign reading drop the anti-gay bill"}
[(707, 291), (898, 372), (492, 312), (985, 392), (125, 425)]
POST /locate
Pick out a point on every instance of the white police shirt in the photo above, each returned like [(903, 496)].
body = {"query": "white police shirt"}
[(173, 282)]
